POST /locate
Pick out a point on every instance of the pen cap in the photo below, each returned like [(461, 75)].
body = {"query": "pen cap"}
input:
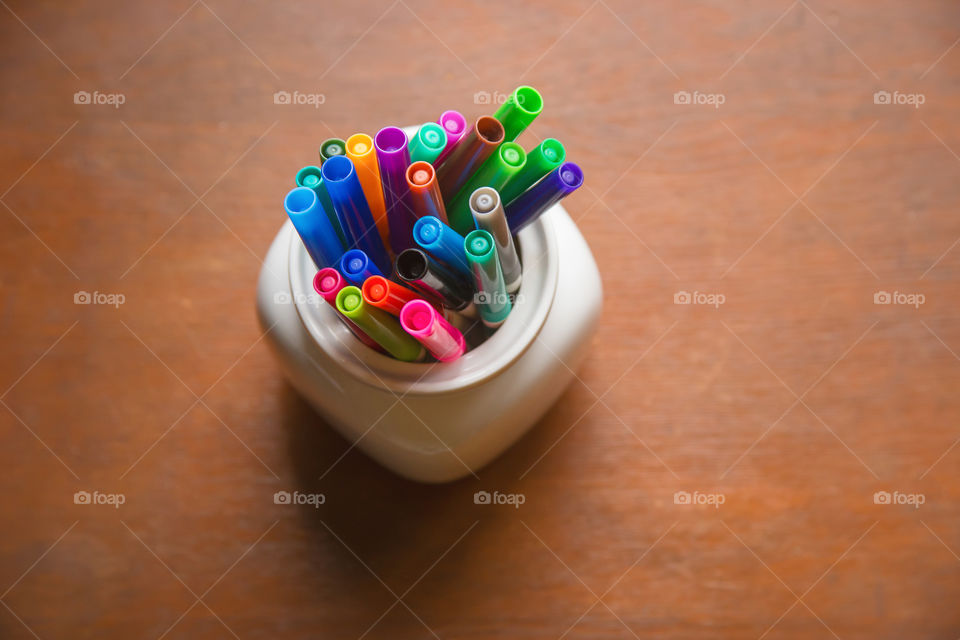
[(312, 178), (506, 162), (555, 186), (428, 144), (332, 147), (442, 340), (360, 150), (356, 266), (487, 211), (386, 294), (432, 280), (520, 109), (313, 226), (328, 283), (394, 158), (455, 126), (471, 152), (441, 242), (340, 176), (541, 160), (424, 192), (379, 325), (491, 298)]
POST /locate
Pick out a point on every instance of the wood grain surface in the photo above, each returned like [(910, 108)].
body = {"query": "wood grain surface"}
[(783, 187)]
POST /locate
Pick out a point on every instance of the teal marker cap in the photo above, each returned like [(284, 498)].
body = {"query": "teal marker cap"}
[(491, 298), (428, 143)]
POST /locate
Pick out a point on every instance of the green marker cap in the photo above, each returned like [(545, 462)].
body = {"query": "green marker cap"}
[(332, 147), (497, 171), (382, 327), (312, 178), (542, 159), (520, 109)]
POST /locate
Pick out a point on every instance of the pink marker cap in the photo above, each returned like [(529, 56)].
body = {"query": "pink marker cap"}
[(442, 339)]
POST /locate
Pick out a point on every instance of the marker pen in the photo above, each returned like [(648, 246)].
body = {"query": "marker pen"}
[(328, 283), (474, 148), (520, 109), (332, 147), (555, 186), (312, 178), (386, 294), (428, 143), (443, 243), (433, 281), (360, 149), (352, 209), (491, 298), (379, 325), (509, 159), (487, 210), (442, 339), (425, 197), (313, 226), (455, 126), (542, 159), (356, 267), (394, 158)]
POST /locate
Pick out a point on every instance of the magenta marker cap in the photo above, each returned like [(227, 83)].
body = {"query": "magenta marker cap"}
[(442, 339)]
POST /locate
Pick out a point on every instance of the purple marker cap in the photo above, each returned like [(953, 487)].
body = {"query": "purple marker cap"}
[(394, 158)]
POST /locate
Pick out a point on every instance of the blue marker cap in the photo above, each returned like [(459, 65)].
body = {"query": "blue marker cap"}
[(356, 266), (314, 227), (350, 204), (443, 243)]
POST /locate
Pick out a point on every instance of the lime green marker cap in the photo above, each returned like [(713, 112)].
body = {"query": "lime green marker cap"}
[(520, 109), (509, 160), (379, 325), (491, 298), (428, 143), (542, 159)]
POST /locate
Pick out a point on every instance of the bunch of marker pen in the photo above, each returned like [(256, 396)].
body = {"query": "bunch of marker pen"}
[(413, 236)]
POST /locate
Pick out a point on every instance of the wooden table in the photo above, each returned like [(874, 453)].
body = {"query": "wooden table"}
[(782, 195)]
